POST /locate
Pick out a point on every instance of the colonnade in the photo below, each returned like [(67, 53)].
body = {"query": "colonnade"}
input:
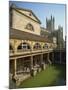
[(32, 61)]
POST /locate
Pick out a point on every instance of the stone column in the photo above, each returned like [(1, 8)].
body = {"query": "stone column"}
[(41, 58), (15, 47), (32, 71), (48, 58), (15, 77), (15, 67), (31, 46), (52, 57), (42, 63), (31, 62)]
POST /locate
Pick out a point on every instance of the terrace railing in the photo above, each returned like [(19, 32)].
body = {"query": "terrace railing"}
[(27, 51)]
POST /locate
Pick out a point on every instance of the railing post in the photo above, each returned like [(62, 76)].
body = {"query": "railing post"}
[(48, 59)]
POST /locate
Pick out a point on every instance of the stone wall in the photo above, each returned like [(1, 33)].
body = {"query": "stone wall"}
[(20, 21)]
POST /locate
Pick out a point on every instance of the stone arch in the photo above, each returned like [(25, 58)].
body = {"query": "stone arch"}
[(24, 45)]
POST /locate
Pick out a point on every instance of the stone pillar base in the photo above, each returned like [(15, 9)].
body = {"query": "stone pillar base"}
[(39, 70), (16, 80), (18, 83), (49, 61), (33, 72), (43, 66)]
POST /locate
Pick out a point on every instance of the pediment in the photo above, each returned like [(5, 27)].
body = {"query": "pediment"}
[(29, 13)]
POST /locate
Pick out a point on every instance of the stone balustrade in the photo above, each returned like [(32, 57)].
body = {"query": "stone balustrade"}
[(28, 51)]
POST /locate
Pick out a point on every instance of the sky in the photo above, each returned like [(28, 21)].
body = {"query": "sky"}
[(43, 10)]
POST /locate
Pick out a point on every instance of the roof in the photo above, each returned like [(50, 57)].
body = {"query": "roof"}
[(44, 29), (17, 9), (18, 34)]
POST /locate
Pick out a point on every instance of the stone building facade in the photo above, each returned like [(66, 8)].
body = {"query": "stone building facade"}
[(29, 52)]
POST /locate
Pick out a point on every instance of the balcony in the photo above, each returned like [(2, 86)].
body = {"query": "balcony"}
[(23, 51), (36, 50), (29, 51)]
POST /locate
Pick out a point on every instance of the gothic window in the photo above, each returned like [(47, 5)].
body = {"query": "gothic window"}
[(30, 27)]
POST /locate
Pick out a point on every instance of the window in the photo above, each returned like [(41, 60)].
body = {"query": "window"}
[(45, 46), (29, 27), (24, 46), (37, 46)]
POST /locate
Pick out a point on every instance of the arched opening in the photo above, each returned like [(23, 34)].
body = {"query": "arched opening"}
[(37, 46), (24, 46), (45, 46), (30, 27)]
